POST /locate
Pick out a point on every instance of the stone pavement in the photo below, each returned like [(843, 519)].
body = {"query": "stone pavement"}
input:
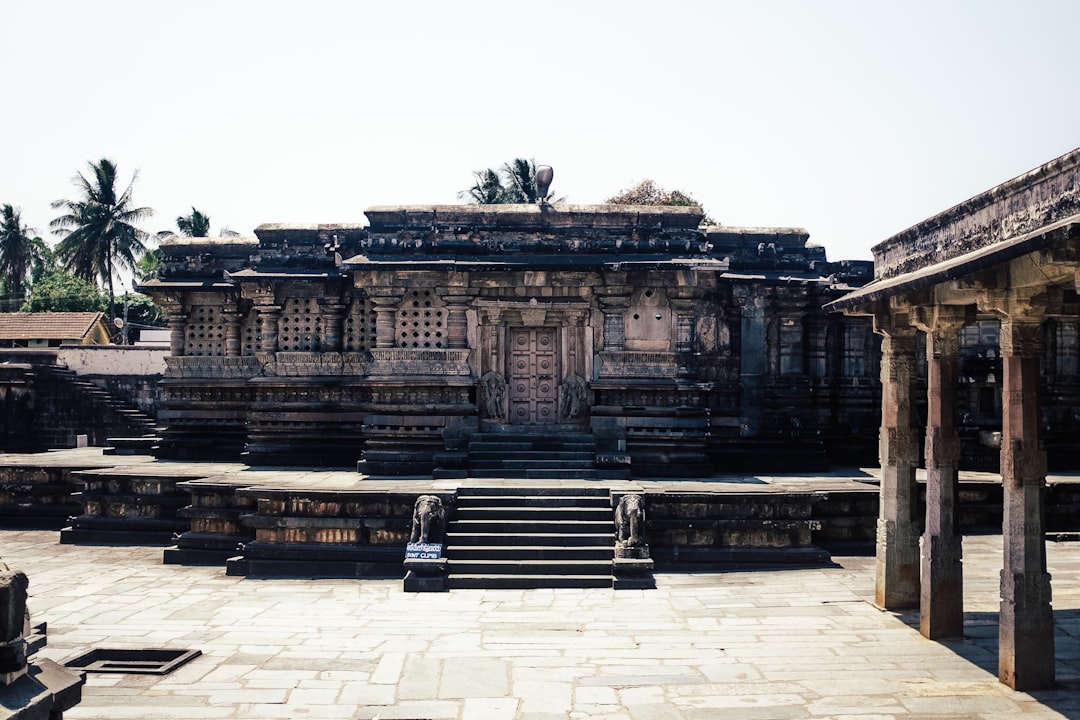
[(776, 643)]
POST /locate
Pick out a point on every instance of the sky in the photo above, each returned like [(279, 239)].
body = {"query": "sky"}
[(852, 119)]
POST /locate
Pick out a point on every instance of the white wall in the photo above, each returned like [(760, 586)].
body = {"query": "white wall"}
[(112, 359)]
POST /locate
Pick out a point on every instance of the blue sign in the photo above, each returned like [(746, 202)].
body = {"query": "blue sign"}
[(423, 551)]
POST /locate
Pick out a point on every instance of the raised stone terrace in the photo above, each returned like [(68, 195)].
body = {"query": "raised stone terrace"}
[(783, 643)]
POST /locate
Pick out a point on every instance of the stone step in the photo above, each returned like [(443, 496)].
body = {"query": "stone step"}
[(518, 474), (521, 501), (534, 490), (546, 435), (455, 539), (530, 528), (518, 445), (560, 553), (540, 515), (529, 567), (514, 463), (526, 582), (583, 455)]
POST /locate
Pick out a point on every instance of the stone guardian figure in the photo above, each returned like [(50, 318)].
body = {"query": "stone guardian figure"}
[(492, 394), (572, 398)]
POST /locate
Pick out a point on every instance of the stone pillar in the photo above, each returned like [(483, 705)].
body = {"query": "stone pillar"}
[(457, 324), (177, 331), (816, 353), (791, 343), (331, 313), (751, 302), (941, 609), (386, 308), (614, 309), (1026, 619), (897, 580), (232, 331), (268, 327), (683, 307)]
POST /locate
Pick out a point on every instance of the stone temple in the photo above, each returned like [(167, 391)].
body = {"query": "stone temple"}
[(658, 345)]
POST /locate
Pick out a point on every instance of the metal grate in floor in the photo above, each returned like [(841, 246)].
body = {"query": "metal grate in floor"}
[(152, 661)]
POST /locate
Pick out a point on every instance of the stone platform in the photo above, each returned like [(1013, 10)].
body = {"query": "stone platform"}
[(781, 643), (316, 522)]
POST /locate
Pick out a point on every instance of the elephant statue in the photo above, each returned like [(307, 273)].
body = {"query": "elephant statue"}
[(630, 521), (428, 520)]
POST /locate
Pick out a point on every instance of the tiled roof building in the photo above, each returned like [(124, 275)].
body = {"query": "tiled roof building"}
[(51, 329)]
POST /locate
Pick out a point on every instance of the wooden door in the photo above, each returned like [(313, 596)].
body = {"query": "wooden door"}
[(532, 388)]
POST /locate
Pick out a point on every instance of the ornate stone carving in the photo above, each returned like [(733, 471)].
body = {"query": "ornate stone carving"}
[(639, 364), (195, 366), (572, 398), (407, 361), (493, 395)]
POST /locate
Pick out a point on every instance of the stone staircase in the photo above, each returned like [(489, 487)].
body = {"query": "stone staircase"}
[(75, 404), (551, 454), (531, 537)]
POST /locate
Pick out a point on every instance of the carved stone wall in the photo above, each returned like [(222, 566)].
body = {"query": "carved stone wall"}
[(641, 337)]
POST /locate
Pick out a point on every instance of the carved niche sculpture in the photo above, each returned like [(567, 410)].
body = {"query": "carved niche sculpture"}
[(572, 398), (493, 391), (428, 520), (629, 522)]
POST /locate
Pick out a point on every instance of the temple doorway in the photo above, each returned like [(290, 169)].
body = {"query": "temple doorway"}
[(533, 390)]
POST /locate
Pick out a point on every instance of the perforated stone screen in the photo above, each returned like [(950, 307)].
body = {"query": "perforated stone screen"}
[(359, 326), (421, 321), (250, 336), (299, 329), (205, 332)]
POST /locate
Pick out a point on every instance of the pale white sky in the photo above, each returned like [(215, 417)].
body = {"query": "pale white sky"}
[(851, 119)]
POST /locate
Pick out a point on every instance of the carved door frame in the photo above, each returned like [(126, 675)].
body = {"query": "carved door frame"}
[(567, 325), (533, 375)]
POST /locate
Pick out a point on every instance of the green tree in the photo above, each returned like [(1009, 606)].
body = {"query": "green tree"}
[(58, 290), (141, 312), (514, 182), (99, 229), (149, 265), (648, 192), (194, 225), (43, 263), (19, 252)]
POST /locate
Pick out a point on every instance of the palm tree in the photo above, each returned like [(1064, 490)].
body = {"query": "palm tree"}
[(99, 229), (514, 182), (197, 224), (487, 190), (194, 225), (149, 265), (18, 253), (520, 175)]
